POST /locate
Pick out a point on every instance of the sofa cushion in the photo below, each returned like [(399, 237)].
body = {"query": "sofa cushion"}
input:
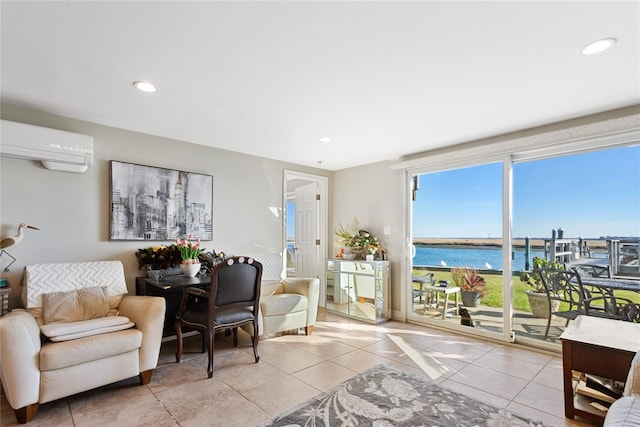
[(271, 288), (624, 412), (73, 330), (57, 355), (75, 305), (632, 385), (279, 304)]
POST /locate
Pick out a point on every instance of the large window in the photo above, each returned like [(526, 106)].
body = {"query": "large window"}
[(494, 218), (576, 206)]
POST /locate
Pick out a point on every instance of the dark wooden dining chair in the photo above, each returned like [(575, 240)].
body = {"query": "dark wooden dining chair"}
[(232, 299), (564, 291)]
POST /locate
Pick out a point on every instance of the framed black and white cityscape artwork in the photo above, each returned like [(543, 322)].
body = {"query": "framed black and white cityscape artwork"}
[(149, 203)]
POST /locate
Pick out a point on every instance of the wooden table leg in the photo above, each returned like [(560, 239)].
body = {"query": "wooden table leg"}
[(567, 379)]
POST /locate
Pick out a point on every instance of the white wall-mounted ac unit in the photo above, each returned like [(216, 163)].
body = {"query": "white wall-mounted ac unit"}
[(56, 149)]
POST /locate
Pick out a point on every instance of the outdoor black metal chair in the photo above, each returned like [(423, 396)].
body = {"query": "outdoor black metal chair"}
[(232, 300), (589, 291), (630, 312), (564, 293), (427, 280), (588, 270), (610, 306)]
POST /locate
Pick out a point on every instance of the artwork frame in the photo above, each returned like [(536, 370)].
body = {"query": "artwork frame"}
[(158, 204)]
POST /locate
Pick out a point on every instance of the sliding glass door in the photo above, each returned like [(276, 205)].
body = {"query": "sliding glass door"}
[(492, 220), (572, 210), (457, 247)]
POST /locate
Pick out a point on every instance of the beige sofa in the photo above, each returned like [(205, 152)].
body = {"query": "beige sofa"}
[(625, 411), (285, 303), (76, 355)]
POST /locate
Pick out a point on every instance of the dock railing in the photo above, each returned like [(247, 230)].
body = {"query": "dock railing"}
[(623, 257)]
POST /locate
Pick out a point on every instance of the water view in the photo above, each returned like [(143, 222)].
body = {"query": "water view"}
[(481, 258)]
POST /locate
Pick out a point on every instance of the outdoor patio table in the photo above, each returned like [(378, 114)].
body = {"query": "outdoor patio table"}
[(612, 283)]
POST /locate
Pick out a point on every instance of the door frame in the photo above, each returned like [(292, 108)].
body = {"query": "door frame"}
[(322, 218)]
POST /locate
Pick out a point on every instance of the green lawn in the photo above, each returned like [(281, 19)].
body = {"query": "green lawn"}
[(494, 283)]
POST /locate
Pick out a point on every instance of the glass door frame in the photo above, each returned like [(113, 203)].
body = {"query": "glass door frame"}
[(505, 161)]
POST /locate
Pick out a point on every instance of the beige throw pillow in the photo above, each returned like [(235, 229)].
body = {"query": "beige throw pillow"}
[(76, 305)]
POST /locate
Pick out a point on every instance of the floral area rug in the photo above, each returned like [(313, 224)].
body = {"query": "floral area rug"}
[(386, 397)]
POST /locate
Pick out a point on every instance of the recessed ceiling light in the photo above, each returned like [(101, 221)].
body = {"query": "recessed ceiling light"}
[(145, 86), (598, 46), (325, 139)]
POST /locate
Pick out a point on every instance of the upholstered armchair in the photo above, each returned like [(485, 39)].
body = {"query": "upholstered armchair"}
[(77, 332), (291, 304), (285, 303)]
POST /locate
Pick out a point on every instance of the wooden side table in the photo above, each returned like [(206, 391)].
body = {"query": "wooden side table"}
[(4, 300), (597, 346)]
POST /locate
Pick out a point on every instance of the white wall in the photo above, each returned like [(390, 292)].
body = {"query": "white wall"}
[(373, 195), (72, 210)]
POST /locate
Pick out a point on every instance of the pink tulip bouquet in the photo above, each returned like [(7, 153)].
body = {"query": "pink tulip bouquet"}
[(189, 250)]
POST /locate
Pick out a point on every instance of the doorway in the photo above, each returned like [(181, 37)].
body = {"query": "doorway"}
[(305, 225)]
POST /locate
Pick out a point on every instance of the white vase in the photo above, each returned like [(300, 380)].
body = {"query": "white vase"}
[(190, 270), (369, 257)]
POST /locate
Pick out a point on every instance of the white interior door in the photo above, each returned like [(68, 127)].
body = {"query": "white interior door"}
[(306, 248)]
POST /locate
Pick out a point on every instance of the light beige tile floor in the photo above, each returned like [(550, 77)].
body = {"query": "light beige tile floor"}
[(294, 368)]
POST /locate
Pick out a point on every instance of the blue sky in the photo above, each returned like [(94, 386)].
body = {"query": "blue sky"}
[(588, 195), (291, 225)]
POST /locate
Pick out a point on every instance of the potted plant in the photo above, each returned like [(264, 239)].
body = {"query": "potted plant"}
[(472, 285), (158, 257), (359, 242), (538, 300), (190, 255), (366, 243)]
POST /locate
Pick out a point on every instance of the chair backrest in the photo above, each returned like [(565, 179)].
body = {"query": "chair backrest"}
[(235, 283), (273, 267), (602, 301), (592, 270), (55, 277), (629, 312), (562, 285)]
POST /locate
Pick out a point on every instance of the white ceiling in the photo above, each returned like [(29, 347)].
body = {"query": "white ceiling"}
[(382, 79)]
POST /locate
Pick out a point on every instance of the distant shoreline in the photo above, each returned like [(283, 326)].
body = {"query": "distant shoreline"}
[(493, 243)]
